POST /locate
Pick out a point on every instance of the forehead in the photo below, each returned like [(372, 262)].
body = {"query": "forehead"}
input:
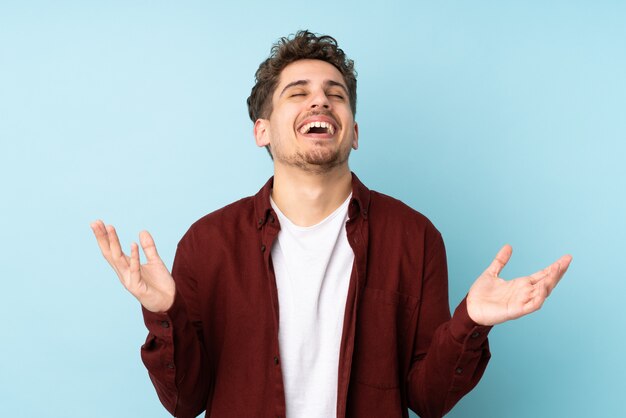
[(309, 70)]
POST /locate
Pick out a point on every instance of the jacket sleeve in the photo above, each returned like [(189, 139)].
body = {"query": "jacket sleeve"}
[(450, 354), (173, 352)]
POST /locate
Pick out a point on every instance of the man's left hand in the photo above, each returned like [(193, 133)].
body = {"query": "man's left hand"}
[(492, 300)]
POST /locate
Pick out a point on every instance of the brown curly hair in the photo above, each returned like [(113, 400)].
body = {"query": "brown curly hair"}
[(303, 45)]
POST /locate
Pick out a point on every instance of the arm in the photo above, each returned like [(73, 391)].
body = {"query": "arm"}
[(450, 354), (449, 364), (173, 351)]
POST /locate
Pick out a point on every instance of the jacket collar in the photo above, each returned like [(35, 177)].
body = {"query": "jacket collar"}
[(359, 205)]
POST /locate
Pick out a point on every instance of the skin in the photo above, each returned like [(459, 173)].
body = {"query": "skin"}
[(311, 173), (151, 283), (493, 300), (311, 179)]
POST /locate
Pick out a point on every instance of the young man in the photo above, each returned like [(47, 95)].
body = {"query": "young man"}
[(316, 297)]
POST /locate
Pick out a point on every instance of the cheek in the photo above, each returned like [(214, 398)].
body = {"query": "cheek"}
[(283, 119), (281, 130)]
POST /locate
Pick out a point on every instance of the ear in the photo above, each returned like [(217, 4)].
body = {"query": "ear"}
[(261, 132), (355, 139)]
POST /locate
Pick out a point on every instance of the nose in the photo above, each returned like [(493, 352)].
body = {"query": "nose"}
[(320, 100)]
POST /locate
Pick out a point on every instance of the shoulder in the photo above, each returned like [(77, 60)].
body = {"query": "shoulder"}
[(394, 213), (231, 220), (397, 230)]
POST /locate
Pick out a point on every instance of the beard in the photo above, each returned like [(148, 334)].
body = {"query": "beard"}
[(318, 160)]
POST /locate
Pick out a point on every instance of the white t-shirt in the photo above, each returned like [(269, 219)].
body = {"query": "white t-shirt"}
[(313, 266)]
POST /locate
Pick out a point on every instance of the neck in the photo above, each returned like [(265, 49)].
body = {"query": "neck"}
[(308, 198)]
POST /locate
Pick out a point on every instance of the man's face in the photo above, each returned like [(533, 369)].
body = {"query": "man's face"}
[(311, 126)]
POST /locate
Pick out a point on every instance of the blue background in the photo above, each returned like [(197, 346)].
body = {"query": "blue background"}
[(502, 121)]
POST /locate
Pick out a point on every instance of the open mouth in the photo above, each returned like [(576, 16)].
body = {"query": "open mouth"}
[(317, 127)]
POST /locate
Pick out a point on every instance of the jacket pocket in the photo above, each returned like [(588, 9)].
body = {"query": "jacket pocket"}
[(382, 321)]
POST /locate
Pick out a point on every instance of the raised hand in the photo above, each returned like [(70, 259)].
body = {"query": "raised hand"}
[(151, 283), (492, 300)]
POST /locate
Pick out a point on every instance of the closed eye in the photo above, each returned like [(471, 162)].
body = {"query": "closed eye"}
[(336, 93)]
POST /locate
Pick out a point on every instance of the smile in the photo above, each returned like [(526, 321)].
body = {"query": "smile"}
[(317, 127)]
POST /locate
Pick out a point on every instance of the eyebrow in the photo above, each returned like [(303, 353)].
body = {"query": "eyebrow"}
[(305, 82)]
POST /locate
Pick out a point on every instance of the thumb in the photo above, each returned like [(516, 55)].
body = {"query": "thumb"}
[(149, 248), (500, 261)]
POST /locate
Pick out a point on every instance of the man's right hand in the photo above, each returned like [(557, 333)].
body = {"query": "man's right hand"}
[(151, 283)]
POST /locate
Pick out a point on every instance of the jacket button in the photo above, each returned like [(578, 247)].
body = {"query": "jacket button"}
[(165, 324), (262, 248), (475, 334), (276, 361), (458, 370), (170, 365)]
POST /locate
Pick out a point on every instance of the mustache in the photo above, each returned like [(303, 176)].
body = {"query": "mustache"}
[(320, 112)]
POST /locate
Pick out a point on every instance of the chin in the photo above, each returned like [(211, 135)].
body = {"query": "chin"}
[(319, 160), (325, 160)]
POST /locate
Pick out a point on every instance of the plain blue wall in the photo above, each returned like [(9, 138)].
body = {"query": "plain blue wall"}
[(502, 121)]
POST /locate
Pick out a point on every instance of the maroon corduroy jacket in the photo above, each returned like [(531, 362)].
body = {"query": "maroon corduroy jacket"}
[(216, 349)]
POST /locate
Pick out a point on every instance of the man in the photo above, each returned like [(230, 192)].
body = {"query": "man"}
[(316, 297)]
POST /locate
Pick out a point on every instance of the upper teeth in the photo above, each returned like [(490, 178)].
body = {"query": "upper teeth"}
[(307, 127)]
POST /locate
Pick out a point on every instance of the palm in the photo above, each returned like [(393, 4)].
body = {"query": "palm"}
[(154, 285), (492, 300), (151, 283)]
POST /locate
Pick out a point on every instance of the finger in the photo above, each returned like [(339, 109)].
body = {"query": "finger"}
[(134, 269), (102, 238), (119, 258), (498, 263), (553, 273), (535, 303), (114, 241), (565, 262), (540, 275), (149, 248), (559, 268)]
